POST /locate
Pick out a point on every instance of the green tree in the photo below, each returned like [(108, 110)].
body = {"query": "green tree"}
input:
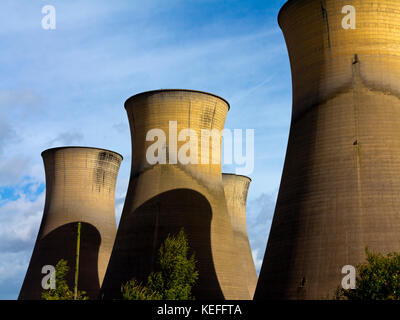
[(175, 278), (377, 279), (62, 291)]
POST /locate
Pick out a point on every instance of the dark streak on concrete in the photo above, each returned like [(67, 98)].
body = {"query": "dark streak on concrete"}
[(347, 87), (212, 120), (325, 17), (104, 161)]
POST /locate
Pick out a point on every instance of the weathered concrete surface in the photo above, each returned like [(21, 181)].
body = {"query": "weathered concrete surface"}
[(340, 185), (80, 186), (236, 188), (162, 198)]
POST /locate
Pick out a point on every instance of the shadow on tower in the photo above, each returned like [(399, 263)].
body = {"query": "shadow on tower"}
[(135, 253)]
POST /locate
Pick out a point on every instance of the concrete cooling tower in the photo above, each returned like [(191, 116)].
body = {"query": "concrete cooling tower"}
[(340, 188), (236, 188), (80, 187), (172, 192)]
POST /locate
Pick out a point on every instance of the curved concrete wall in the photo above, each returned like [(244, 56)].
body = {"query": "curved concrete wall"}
[(340, 184), (80, 187), (193, 191), (236, 188)]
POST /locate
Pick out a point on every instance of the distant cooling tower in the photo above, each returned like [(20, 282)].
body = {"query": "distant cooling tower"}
[(236, 188), (80, 187), (340, 188), (162, 198)]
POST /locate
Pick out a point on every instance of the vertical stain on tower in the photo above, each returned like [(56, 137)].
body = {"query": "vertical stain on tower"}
[(326, 20)]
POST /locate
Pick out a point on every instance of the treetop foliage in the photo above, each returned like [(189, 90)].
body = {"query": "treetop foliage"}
[(62, 291), (377, 279), (175, 278)]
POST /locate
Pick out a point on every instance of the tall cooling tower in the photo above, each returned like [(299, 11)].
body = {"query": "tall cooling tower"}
[(80, 187), (164, 197), (236, 188), (340, 188)]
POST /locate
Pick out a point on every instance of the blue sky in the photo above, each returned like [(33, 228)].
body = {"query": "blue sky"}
[(67, 87)]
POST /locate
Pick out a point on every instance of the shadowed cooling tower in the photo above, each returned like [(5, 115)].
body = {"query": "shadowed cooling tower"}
[(80, 187), (236, 188), (340, 188), (162, 198)]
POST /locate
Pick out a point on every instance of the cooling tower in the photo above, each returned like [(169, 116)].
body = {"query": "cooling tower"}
[(340, 187), (80, 187), (164, 196), (236, 188)]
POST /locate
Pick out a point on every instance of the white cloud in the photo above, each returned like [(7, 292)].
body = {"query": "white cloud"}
[(119, 206), (13, 266), (259, 212), (7, 134), (121, 127), (258, 259), (12, 99), (19, 225), (13, 169), (67, 138)]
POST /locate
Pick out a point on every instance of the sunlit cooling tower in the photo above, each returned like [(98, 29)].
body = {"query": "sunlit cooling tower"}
[(236, 188), (164, 197), (340, 188), (80, 187)]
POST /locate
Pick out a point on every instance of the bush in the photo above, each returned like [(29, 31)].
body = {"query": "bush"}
[(377, 279), (176, 277), (62, 291)]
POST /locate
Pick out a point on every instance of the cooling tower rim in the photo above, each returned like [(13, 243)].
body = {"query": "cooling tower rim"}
[(79, 147), (175, 90), (284, 6), (236, 175)]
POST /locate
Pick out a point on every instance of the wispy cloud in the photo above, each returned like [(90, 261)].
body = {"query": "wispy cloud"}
[(7, 134), (67, 138), (260, 212), (11, 99), (13, 169), (19, 225), (121, 127)]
